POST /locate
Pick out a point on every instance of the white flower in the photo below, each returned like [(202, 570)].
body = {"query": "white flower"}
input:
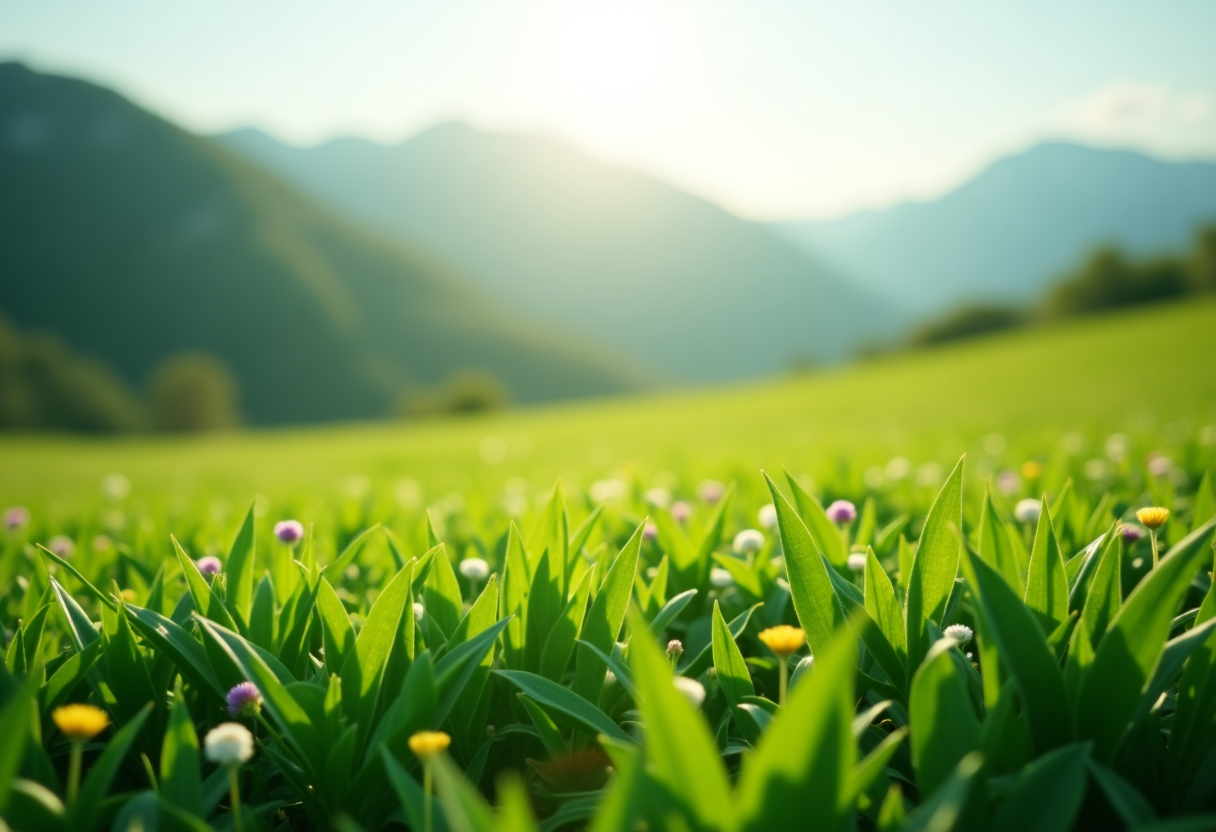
[(419, 611), (720, 578), (228, 744), (960, 633), (659, 497), (475, 569), (768, 516), (115, 487), (691, 688), (603, 491), (857, 561), (749, 540), (1028, 510), (1159, 466)]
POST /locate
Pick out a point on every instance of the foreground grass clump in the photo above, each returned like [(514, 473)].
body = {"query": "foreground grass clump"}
[(1035, 652)]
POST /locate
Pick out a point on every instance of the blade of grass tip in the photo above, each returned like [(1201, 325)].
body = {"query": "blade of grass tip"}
[(934, 566), (240, 569), (605, 618)]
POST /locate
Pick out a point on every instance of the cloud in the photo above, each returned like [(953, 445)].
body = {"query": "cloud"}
[(1146, 114)]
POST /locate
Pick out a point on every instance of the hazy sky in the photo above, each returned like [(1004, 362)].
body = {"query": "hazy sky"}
[(774, 108)]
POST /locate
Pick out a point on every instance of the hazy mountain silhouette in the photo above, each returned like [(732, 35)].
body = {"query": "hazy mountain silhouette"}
[(662, 276), (136, 240), (1015, 228)]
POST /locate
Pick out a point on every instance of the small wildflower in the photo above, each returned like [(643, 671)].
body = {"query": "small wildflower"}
[(426, 744), (62, 545), (857, 562), (419, 611), (1007, 482), (475, 569), (228, 744), (1032, 469), (842, 511), (675, 649), (16, 517), (650, 531), (210, 566), (289, 531), (1153, 517), (711, 491), (128, 595), (783, 639), (693, 690), (80, 722), (609, 678), (749, 540), (244, 699), (658, 497), (767, 516), (491, 730), (102, 543), (1028, 510), (960, 633), (1159, 466), (1131, 532), (720, 578), (681, 511), (1137, 563), (603, 491)]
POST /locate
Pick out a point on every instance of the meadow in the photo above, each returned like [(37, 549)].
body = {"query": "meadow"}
[(939, 608)]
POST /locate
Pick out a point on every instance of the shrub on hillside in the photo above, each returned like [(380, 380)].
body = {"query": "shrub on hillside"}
[(193, 392)]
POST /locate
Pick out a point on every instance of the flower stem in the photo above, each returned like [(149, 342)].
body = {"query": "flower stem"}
[(783, 668), (234, 789), (74, 771), (427, 784), (1152, 535)]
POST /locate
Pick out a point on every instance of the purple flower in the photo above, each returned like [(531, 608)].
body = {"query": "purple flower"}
[(244, 700), (680, 511), (711, 491), (210, 565), (1131, 532), (650, 531), (842, 511), (1008, 481), (16, 517), (62, 545), (289, 531)]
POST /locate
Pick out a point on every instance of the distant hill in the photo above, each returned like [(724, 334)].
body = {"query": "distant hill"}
[(1007, 234), (135, 240), (650, 271)]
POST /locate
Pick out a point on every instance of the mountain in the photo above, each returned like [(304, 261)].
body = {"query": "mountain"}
[(1007, 234), (652, 272), (135, 240)]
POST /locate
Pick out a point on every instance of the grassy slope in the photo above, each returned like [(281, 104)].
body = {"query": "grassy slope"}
[(1135, 371)]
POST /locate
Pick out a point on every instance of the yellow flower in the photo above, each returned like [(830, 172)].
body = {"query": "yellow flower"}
[(783, 640), (80, 722), (129, 596), (429, 743), (1154, 516), (1032, 470)]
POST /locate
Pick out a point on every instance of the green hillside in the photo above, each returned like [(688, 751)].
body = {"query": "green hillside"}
[(1145, 372), (134, 241), (644, 268)]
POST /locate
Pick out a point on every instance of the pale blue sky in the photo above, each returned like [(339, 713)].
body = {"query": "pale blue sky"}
[(774, 108)]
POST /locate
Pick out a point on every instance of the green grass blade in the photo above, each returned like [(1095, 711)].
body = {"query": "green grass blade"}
[(934, 566), (1046, 795), (205, 602), (944, 725), (605, 618), (995, 548), (564, 704), (1046, 582), (883, 606), (337, 634), (942, 810), (441, 594), (16, 718), (187, 654), (180, 776), (733, 677), (239, 570), (85, 814), (516, 583), (1105, 595), (565, 632), (825, 533)]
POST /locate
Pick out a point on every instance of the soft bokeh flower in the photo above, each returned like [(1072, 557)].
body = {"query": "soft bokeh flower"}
[(960, 633), (783, 639), (767, 516), (115, 487), (1028, 510), (898, 468), (102, 543), (289, 531), (244, 699), (426, 744), (475, 569), (693, 690), (748, 540), (675, 649), (841, 511), (419, 611), (228, 744), (1007, 482), (1032, 469), (681, 511), (80, 722), (603, 491), (711, 491), (857, 561), (1159, 466), (62, 545), (720, 578), (1131, 532), (658, 497), (129, 595), (210, 565), (16, 517), (1153, 517), (650, 531)]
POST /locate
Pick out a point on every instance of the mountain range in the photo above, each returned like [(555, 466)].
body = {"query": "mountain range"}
[(656, 274), (1011, 231), (135, 240)]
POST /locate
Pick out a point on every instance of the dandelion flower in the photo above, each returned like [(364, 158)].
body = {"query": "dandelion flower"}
[(1028, 510), (749, 540), (841, 511), (426, 744), (80, 722), (228, 744), (960, 633), (62, 545), (767, 516), (16, 517), (857, 562), (783, 639), (720, 578), (693, 690), (1153, 517), (289, 531), (244, 699), (475, 569), (210, 565)]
